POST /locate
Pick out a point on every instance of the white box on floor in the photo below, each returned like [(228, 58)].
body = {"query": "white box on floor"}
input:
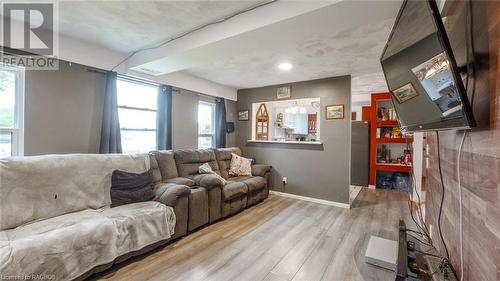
[(382, 252)]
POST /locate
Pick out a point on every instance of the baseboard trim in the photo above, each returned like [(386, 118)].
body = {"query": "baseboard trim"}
[(310, 199)]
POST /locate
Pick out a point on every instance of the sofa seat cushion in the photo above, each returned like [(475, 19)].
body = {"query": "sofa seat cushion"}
[(141, 224), (69, 245), (253, 183), (233, 189)]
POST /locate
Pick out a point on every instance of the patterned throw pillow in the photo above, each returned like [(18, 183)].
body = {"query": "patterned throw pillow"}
[(206, 169), (240, 166)]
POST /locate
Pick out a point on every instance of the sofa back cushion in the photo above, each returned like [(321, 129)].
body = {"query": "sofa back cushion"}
[(166, 164), (41, 187), (188, 161), (223, 156), (155, 169)]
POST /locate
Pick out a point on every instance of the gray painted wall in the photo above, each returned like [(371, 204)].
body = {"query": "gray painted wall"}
[(321, 172), (184, 119), (63, 110)]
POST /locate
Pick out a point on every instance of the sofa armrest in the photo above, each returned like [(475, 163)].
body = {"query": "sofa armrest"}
[(207, 181), (181, 181), (169, 193), (260, 169)]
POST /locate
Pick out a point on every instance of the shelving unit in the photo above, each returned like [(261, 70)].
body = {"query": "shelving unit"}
[(376, 100)]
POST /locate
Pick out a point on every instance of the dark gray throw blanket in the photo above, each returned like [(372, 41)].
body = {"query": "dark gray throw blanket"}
[(128, 188)]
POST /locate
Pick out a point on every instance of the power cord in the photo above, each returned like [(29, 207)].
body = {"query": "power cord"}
[(421, 226), (442, 196), (419, 202)]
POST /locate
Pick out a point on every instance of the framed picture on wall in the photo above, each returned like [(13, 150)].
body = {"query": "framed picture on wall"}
[(284, 92), (334, 111), (405, 93), (243, 115)]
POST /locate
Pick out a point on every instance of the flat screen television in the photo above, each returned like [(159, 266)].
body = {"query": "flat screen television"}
[(421, 72)]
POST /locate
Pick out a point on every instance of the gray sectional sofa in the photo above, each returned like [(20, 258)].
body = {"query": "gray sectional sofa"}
[(56, 221)]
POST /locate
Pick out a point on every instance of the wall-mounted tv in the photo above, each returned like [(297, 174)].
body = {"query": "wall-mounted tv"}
[(421, 72)]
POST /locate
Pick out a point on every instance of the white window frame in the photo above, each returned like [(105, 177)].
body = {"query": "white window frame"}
[(17, 132), (131, 80), (212, 135)]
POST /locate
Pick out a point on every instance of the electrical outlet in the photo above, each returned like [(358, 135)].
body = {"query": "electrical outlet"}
[(285, 180)]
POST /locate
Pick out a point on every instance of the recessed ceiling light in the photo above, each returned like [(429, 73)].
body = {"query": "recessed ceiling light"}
[(285, 66)]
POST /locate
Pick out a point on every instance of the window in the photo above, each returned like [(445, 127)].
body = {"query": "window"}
[(206, 125), (137, 107), (287, 120), (11, 111)]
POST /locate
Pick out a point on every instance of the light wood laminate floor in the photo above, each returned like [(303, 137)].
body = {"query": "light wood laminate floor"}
[(279, 239)]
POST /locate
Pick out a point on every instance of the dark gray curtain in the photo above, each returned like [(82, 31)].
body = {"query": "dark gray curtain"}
[(220, 123), (110, 129), (164, 118)]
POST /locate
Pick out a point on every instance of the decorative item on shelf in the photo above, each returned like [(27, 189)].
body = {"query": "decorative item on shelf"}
[(284, 92), (392, 114), (334, 111), (311, 123), (296, 109), (243, 115), (408, 159), (378, 133), (386, 132), (279, 120), (405, 93), (383, 154), (396, 133), (382, 114)]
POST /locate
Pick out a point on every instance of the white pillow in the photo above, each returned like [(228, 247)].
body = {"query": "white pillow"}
[(240, 166), (206, 169)]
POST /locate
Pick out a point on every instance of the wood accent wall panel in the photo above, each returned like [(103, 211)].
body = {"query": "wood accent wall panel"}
[(480, 166)]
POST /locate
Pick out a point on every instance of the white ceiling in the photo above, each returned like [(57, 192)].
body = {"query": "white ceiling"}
[(126, 26), (363, 86), (353, 51), (339, 38)]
